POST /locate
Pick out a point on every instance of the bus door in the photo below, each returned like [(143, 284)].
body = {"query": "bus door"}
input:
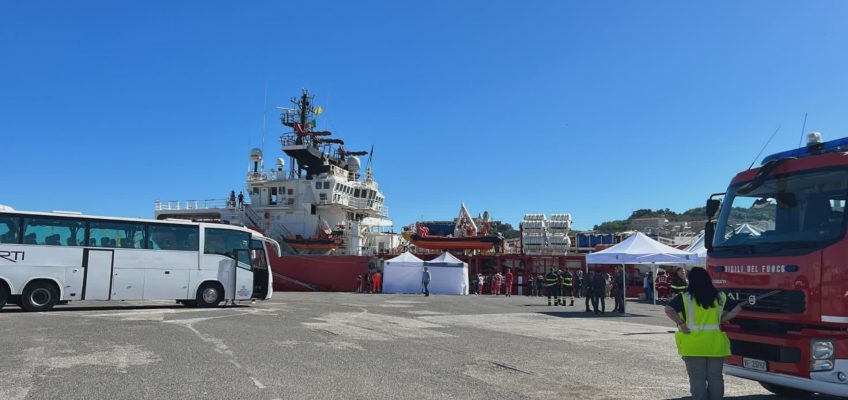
[(242, 282), (261, 269), (97, 275)]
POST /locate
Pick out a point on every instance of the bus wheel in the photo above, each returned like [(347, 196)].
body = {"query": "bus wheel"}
[(209, 294), (786, 391), (39, 296), (4, 294)]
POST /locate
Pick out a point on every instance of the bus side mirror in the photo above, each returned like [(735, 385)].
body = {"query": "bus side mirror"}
[(712, 207), (709, 233)]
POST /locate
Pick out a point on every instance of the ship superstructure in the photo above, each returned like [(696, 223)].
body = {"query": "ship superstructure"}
[(321, 204)]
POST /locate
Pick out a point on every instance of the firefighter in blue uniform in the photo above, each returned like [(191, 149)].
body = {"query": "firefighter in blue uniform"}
[(552, 287)]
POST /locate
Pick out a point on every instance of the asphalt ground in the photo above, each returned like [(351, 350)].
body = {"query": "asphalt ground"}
[(344, 346)]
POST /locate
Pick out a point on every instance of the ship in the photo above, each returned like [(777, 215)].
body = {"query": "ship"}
[(326, 210)]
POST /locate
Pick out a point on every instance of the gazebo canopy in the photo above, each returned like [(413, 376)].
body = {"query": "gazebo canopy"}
[(640, 249)]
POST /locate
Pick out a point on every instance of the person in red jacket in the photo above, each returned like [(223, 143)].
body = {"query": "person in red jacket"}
[(662, 285), (496, 283), (508, 279), (376, 281)]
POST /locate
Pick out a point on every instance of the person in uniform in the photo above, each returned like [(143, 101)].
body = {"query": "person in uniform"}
[(552, 286), (496, 284), (618, 283), (662, 285), (567, 287), (508, 280), (698, 313), (678, 282), (587, 289), (377, 280), (599, 285)]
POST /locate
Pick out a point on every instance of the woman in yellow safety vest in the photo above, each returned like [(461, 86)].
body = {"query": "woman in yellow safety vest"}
[(698, 313)]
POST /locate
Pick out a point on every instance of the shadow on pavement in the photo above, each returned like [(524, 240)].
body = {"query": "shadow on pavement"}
[(584, 314), (14, 309), (762, 397)]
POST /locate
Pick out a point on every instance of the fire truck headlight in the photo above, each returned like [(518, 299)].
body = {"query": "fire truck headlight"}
[(821, 350), (821, 365)]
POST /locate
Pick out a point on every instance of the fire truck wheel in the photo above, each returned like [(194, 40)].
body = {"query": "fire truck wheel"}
[(4, 294), (786, 391)]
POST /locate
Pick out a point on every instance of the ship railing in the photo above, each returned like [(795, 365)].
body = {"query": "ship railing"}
[(177, 205)]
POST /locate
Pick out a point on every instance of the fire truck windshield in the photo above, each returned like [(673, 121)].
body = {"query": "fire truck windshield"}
[(787, 212)]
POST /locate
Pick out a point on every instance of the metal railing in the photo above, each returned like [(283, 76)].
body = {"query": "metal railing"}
[(173, 205)]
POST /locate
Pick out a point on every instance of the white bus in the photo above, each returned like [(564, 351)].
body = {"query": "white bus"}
[(52, 258)]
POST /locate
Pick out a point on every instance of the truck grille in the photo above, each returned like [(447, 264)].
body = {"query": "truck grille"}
[(767, 352), (784, 301)]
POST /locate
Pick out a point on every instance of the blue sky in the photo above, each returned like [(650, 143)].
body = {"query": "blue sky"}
[(592, 108)]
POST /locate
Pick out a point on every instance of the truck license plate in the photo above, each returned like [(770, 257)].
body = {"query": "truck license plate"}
[(752, 363)]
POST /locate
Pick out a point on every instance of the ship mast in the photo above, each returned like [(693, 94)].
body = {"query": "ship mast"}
[(301, 120)]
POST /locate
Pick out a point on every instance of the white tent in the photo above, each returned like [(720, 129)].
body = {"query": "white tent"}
[(402, 274), (747, 228), (698, 248), (640, 249), (448, 275)]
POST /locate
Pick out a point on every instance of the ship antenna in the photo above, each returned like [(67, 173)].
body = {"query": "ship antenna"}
[(370, 157), (264, 115), (803, 126), (764, 147)]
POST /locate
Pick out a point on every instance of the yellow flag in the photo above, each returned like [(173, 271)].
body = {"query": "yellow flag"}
[(318, 110)]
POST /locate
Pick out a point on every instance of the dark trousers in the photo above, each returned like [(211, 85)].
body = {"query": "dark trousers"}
[(552, 293), (539, 289), (426, 289), (619, 300), (588, 301), (599, 296)]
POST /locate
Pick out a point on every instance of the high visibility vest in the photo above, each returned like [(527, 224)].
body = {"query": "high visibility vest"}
[(551, 279), (705, 338)]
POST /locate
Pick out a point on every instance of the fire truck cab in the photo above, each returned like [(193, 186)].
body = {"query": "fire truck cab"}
[(776, 241)]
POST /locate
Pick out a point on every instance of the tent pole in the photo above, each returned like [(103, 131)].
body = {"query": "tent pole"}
[(624, 289), (653, 285)]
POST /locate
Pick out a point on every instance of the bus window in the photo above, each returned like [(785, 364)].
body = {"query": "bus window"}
[(54, 231), (170, 237), (116, 234), (224, 242), (9, 229)]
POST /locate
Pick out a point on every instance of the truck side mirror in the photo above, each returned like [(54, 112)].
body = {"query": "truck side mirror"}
[(712, 207), (709, 233)]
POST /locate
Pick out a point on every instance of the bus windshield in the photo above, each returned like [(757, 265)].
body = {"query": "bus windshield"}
[(789, 211)]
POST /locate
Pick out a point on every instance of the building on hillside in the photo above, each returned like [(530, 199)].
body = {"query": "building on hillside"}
[(645, 224)]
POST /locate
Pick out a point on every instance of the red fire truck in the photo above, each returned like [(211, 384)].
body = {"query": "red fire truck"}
[(777, 242)]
